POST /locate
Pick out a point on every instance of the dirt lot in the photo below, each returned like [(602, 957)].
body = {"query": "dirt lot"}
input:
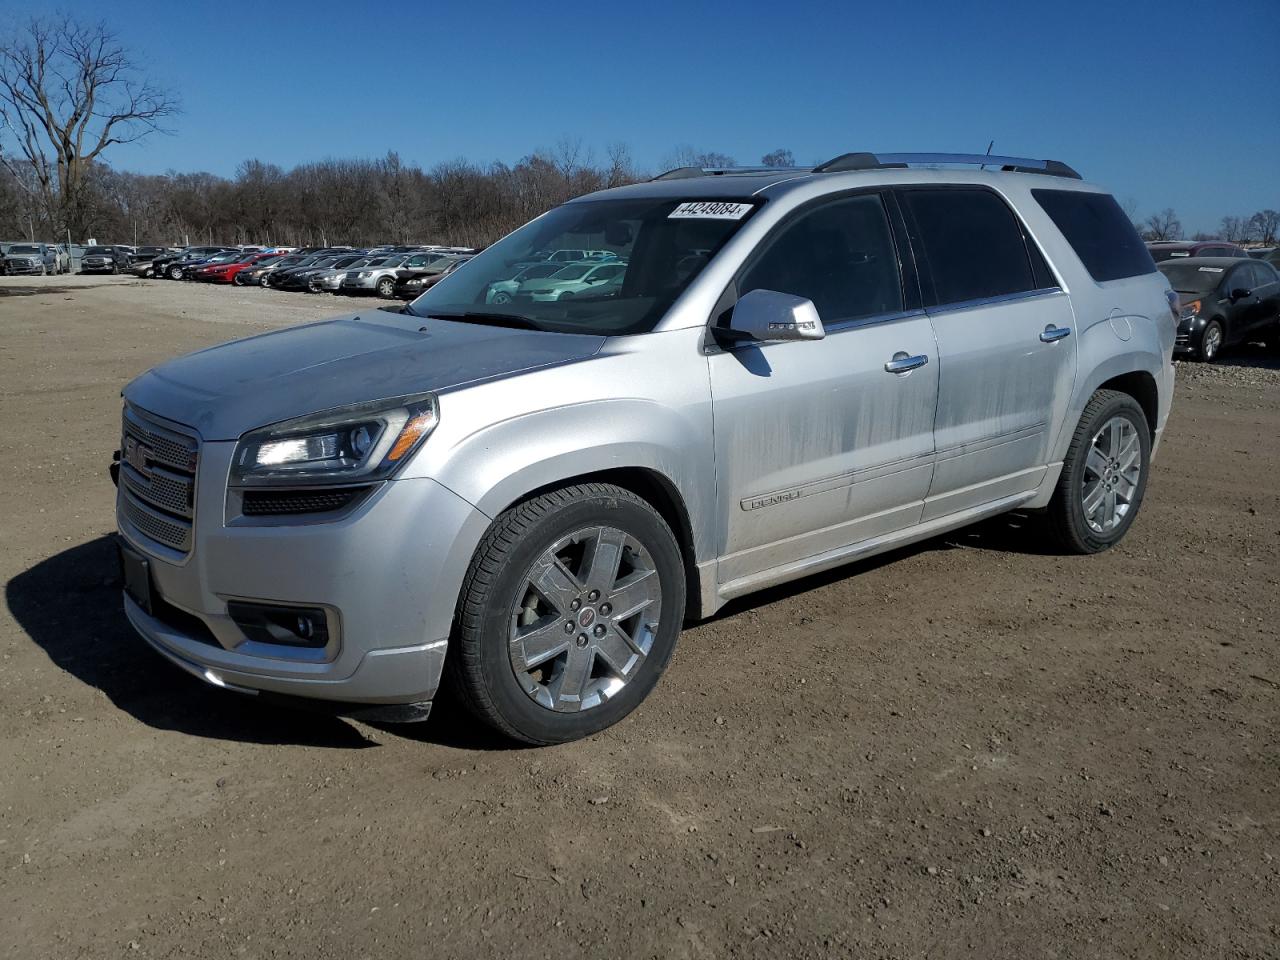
[(969, 748)]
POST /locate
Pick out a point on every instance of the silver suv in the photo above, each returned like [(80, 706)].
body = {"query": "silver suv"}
[(526, 501)]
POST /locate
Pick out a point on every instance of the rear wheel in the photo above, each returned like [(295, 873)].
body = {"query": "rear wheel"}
[(1210, 341), (569, 614), (1104, 475)]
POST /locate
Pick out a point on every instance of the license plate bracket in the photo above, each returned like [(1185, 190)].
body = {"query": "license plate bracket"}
[(135, 570)]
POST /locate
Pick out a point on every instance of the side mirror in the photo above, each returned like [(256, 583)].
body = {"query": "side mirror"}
[(1239, 293), (768, 315)]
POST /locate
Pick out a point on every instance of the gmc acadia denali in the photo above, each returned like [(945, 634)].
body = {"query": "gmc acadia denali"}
[(526, 500)]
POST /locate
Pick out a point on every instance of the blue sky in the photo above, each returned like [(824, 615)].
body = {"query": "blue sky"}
[(1131, 93)]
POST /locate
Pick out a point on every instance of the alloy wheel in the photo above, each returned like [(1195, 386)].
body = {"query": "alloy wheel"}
[(1111, 474), (585, 619), (1211, 342)]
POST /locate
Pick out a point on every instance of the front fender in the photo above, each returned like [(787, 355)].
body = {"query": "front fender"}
[(501, 463)]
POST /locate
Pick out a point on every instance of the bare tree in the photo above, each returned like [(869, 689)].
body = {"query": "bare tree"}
[(1164, 225), (1264, 225), (686, 156), (778, 158), (1233, 229), (68, 92), (1129, 205)]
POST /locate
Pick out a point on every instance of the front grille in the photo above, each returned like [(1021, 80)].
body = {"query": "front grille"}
[(282, 502), (1183, 340), (158, 480)]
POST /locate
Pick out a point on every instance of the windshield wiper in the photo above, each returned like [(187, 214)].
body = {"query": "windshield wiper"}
[(491, 319)]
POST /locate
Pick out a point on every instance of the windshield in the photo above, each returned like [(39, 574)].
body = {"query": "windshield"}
[(663, 254), (98, 251), (21, 248), (1191, 277)]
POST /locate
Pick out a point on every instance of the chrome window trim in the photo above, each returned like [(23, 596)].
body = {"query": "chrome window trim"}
[(1043, 292), (853, 323)]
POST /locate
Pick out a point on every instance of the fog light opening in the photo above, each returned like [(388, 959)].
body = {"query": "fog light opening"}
[(286, 626)]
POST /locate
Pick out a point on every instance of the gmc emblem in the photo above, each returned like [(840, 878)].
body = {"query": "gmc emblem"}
[(136, 455)]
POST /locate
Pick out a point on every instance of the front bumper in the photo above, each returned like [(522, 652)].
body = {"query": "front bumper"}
[(1187, 338), (18, 269), (355, 285), (389, 573)]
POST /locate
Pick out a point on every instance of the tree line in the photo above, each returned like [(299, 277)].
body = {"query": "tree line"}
[(1261, 227)]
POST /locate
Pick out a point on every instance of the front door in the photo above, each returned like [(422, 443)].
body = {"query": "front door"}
[(818, 445)]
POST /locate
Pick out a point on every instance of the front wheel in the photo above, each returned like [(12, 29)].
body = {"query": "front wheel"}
[(1104, 475), (1210, 341), (175, 273), (386, 288), (569, 614)]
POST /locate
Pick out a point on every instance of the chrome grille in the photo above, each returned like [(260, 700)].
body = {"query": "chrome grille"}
[(174, 492), (159, 526), (158, 480)]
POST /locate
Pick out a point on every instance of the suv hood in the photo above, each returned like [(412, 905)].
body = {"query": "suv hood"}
[(227, 390)]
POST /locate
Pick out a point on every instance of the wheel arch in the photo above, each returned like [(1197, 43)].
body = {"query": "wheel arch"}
[(656, 489), (1140, 385), (1136, 373)]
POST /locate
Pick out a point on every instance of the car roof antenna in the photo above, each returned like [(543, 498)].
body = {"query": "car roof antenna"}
[(990, 144)]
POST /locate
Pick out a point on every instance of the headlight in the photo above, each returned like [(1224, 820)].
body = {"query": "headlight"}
[(365, 273), (1189, 310), (368, 441)]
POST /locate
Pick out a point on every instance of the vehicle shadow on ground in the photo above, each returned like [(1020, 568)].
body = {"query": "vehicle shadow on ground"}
[(70, 606)]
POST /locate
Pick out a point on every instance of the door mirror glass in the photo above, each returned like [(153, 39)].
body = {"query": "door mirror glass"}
[(1239, 293), (769, 315)]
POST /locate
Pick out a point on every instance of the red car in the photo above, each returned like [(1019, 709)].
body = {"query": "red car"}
[(226, 272)]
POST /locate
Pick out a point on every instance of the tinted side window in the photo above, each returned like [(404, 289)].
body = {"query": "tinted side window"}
[(1099, 233), (1264, 274), (839, 255), (972, 243), (1241, 278)]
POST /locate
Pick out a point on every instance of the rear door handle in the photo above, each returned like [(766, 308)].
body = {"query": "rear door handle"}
[(903, 362), (1052, 333)]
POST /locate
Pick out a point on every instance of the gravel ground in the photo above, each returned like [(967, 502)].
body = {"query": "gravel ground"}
[(968, 748)]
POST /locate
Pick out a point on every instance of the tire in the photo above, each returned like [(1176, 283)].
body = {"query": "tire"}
[(386, 288), (582, 637), (174, 273), (501, 297), (1092, 462), (1211, 338)]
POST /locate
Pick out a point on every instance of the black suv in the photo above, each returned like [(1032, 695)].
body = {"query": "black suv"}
[(105, 260)]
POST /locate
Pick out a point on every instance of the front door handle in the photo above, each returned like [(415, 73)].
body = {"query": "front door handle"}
[(1052, 333), (903, 362)]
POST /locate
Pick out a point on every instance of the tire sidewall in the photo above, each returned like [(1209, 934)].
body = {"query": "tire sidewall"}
[(1222, 337), (1117, 406), (533, 721)]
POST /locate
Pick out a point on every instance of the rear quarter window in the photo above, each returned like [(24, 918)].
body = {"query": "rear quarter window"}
[(1099, 233)]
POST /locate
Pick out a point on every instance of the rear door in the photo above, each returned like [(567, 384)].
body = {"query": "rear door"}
[(1006, 355), (819, 444), (1266, 287)]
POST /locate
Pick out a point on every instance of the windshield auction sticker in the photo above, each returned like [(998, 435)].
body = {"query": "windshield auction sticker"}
[(709, 210)]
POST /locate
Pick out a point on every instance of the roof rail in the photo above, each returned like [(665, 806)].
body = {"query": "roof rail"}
[(885, 161), (686, 173)]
